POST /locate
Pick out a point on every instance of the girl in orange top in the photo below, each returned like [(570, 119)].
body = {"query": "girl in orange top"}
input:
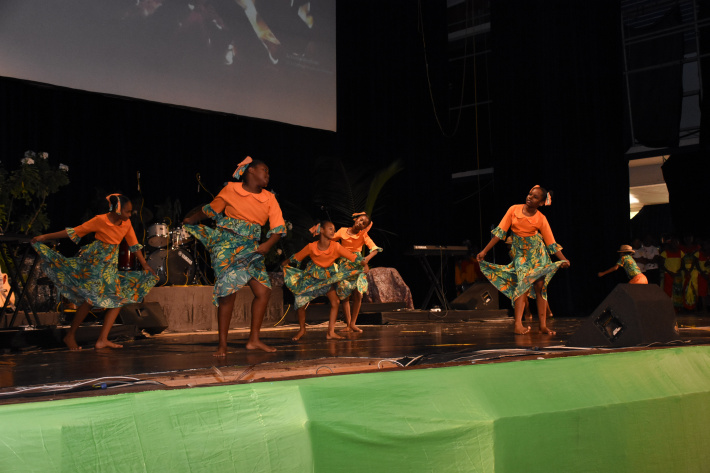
[(321, 275), (531, 266), (91, 279), (354, 238), (237, 256)]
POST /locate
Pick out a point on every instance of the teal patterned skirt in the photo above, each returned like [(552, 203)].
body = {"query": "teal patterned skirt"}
[(531, 261), (315, 281), (92, 276), (234, 259), (353, 283)]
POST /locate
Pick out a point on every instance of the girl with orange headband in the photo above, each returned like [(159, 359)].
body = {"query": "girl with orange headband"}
[(235, 247), (354, 238), (531, 265), (91, 279), (321, 275)]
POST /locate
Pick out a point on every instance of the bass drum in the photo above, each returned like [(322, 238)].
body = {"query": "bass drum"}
[(173, 267)]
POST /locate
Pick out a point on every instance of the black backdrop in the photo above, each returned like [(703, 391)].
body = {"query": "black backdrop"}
[(557, 123)]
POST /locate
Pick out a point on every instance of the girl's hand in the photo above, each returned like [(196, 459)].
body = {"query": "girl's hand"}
[(38, 238), (480, 256), (565, 264), (600, 274), (149, 269)]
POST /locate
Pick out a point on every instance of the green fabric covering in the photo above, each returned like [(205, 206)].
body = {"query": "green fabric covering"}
[(618, 412)]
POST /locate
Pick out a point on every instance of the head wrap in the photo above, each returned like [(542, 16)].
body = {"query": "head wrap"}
[(548, 199), (241, 167), (359, 214), (315, 230), (118, 203)]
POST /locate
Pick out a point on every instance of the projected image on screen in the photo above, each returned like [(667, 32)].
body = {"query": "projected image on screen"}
[(271, 59)]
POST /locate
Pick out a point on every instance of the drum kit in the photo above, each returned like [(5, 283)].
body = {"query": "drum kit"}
[(168, 253)]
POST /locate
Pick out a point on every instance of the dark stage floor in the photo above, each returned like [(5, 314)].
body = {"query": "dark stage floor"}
[(185, 359)]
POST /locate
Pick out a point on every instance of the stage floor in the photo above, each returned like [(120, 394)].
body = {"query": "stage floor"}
[(171, 360)]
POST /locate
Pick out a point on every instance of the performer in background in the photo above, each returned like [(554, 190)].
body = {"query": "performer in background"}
[(531, 267), (626, 261), (354, 238), (91, 279), (321, 275), (240, 210)]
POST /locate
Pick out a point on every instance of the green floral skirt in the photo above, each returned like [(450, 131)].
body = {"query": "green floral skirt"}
[(531, 261), (357, 282), (315, 281), (92, 276), (234, 259)]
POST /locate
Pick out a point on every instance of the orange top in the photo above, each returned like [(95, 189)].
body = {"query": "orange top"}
[(108, 232), (327, 257), (236, 202), (525, 226), (354, 242)]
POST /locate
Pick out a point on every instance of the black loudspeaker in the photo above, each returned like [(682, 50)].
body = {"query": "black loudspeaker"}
[(480, 296), (631, 315), (147, 316)]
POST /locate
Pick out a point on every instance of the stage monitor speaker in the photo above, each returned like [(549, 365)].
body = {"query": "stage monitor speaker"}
[(631, 315), (146, 316), (480, 296)]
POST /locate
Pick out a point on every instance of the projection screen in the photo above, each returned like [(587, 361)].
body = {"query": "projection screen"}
[(269, 59)]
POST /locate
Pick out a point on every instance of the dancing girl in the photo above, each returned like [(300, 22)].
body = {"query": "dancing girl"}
[(321, 275), (240, 210), (626, 261), (531, 266), (354, 238), (91, 279)]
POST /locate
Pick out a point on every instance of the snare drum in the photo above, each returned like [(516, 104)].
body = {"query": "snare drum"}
[(179, 237), (158, 235)]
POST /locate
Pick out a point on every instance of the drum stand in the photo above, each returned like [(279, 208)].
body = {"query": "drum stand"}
[(200, 277)]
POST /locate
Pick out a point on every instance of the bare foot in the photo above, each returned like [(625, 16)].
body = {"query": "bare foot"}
[(106, 344), (521, 330), (547, 331), (259, 345), (346, 329), (221, 352), (333, 335), (355, 328), (71, 343), (298, 336)]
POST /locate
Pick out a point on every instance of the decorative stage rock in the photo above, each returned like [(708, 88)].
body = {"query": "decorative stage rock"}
[(386, 285)]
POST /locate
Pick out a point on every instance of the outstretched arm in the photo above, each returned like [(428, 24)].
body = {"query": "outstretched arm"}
[(561, 257), (491, 244), (51, 236), (194, 218), (610, 270)]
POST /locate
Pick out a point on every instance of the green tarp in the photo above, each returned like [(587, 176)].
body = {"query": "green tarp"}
[(640, 411)]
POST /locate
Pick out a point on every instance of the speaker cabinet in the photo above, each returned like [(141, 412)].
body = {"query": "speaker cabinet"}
[(480, 296), (146, 316), (631, 315)]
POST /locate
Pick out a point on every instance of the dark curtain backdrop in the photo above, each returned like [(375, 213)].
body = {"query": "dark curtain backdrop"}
[(558, 103), (384, 113), (656, 93)]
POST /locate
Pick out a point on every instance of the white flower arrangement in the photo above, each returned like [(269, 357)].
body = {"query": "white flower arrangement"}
[(43, 155), (27, 161), (63, 167)]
